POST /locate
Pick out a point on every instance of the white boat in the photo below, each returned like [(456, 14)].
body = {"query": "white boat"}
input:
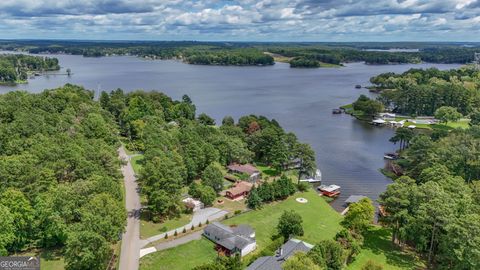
[(316, 179), (330, 191)]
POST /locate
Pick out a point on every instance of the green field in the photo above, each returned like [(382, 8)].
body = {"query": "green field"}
[(149, 228), (320, 221), (464, 123), (183, 257), (379, 249), (137, 163)]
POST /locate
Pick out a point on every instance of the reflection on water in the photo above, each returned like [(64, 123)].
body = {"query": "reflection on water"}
[(349, 152)]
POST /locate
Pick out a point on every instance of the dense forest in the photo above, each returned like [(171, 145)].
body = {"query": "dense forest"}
[(180, 146), (60, 180), (435, 206), (245, 53), (15, 68), (422, 92)]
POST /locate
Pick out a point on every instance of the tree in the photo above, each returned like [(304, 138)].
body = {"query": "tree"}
[(7, 233), (86, 250), (22, 213), (228, 121), (447, 114), (475, 118), (402, 135), (359, 216), (212, 176), (253, 200), (398, 201), (328, 254), (204, 119), (306, 155), (105, 216), (300, 261), (290, 224)]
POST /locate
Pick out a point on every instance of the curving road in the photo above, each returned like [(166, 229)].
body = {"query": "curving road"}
[(129, 256)]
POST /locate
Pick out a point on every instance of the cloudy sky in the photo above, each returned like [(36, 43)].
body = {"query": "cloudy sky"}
[(247, 20)]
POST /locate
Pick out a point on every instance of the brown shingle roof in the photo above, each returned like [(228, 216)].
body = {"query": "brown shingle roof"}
[(245, 168), (240, 188)]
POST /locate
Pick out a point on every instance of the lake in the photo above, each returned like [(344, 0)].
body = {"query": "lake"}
[(349, 152)]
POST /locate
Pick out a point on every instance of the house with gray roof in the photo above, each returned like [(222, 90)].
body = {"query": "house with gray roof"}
[(231, 240), (283, 253)]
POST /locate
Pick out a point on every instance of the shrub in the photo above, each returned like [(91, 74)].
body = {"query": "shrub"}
[(193, 227), (184, 230), (175, 233), (237, 212), (166, 236), (371, 265), (303, 186)]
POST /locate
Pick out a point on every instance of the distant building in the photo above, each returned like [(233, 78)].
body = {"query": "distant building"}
[(252, 171), (239, 190), (282, 254), (231, 240), (193, 204)]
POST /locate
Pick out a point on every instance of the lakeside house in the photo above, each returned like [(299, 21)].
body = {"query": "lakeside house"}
[(239, 191), (248, 169), (287, 250), (231, 240)]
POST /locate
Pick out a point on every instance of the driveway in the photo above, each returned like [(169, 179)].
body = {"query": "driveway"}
[(129, 256), (202, 215)]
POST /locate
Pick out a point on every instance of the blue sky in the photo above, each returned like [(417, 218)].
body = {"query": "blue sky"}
[(248, 20)]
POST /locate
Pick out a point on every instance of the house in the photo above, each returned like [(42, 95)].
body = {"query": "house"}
[(195, 205), (239, 190), (248, 169), (283, 253), (231, 240)]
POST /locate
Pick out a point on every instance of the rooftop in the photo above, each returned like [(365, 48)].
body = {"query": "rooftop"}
[(230, 237), (275, 262), (240, 188)]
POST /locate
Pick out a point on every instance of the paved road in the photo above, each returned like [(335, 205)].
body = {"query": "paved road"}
[(129, 256)]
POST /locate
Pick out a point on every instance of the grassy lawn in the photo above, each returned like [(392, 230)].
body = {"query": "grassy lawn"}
[(229, 205), (449, 126), (50, 259), (183, 257), (267, 170), (149, 228), (137, 163), (379, 248), (320, 222)]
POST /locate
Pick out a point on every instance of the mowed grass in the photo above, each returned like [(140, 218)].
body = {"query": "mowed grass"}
[(183, 257), (380, 249), (150, 228), (320, 221), (137, 163), (51, 259)]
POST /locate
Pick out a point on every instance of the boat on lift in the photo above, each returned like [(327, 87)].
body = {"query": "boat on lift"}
[(329, 191)]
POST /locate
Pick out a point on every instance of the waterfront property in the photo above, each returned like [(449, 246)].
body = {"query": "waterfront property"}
[(248, 169), (231, 240), (288, 249), (239, 191)]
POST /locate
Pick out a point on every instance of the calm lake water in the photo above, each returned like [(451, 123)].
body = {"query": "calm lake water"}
[(349, 152)]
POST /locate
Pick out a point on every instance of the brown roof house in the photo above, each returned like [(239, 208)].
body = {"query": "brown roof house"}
[(231, 240), (239, 190), (252, 171)]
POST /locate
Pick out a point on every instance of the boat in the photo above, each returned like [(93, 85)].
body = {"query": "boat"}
[(336, 111), (391, 156), (358, 86), (329, 191), (316, 179)]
